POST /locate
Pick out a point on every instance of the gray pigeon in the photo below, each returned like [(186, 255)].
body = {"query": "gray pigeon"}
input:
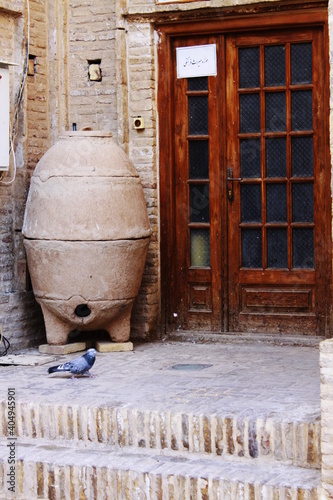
[(78, 366)]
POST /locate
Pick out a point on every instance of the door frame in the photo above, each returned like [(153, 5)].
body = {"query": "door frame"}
[(311, 17)]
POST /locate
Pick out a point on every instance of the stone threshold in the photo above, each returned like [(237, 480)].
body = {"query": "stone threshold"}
[(66, 472), (244, 338)]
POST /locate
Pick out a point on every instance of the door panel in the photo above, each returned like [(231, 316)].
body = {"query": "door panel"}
[(275, 217), (250, 199), (198, 199)]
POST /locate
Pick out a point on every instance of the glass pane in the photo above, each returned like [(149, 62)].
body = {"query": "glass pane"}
[(198, 83), (302, 156), (303, 248), (303, 202), (251, 248), (200, 248), (301, 110), (249, 113), (249, 68), (277, 248), (250, 158), (251, 202), (276, 157), (275, 111), (199, 159), (301, 63), (199, 203), (275, 65), (198, 115), (276, 195)]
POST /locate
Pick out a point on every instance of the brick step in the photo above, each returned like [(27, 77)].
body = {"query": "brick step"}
[(50, 470), (293, 442)]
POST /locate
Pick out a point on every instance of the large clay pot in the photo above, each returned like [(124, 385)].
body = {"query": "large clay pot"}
[(86, 235)]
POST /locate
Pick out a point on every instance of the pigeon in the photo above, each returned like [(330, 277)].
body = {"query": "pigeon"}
[(78, 366)]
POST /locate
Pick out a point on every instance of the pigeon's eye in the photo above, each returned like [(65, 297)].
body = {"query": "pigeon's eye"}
[(82, 311)]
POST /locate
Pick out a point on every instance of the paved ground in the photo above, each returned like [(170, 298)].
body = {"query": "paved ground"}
[(245, 379)]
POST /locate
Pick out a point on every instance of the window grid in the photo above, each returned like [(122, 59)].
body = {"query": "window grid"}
[(279, 98), (198, 172)]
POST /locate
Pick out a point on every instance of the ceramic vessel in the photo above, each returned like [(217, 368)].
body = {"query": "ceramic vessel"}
[(86, 235)]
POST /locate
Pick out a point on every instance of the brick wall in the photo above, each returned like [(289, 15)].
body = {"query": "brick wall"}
[(142, 151), (9, 25), (95, 35), (91, 37), (326, 352), (20, 316), (38, 134), (326, 394), (64, 37)]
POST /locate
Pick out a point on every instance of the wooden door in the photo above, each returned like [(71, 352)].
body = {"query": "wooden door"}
[(278, 237), (198, 198), (248, 192)]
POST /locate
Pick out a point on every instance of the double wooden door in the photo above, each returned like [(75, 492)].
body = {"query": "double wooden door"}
[(249, 194)]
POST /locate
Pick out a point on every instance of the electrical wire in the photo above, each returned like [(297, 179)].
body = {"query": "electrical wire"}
[(13, 128), (5, 343), (6, 183)]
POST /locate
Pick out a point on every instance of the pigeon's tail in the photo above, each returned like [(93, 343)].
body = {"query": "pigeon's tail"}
[(58, 368)]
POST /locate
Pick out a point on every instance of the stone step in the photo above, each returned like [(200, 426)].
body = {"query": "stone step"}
[(50, 470), (245, 338), (295, 442)]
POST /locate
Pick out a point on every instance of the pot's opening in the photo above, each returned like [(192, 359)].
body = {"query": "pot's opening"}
[(86, 132), (82, 311)]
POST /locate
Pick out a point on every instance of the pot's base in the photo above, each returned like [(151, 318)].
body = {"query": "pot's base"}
[(58, 324)]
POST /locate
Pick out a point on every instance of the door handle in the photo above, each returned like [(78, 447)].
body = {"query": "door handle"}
[(230, 180)]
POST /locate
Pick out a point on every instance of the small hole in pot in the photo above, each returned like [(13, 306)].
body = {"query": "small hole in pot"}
[(82, 311)]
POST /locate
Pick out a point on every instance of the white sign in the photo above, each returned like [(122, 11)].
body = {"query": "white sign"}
[(198, 60)]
